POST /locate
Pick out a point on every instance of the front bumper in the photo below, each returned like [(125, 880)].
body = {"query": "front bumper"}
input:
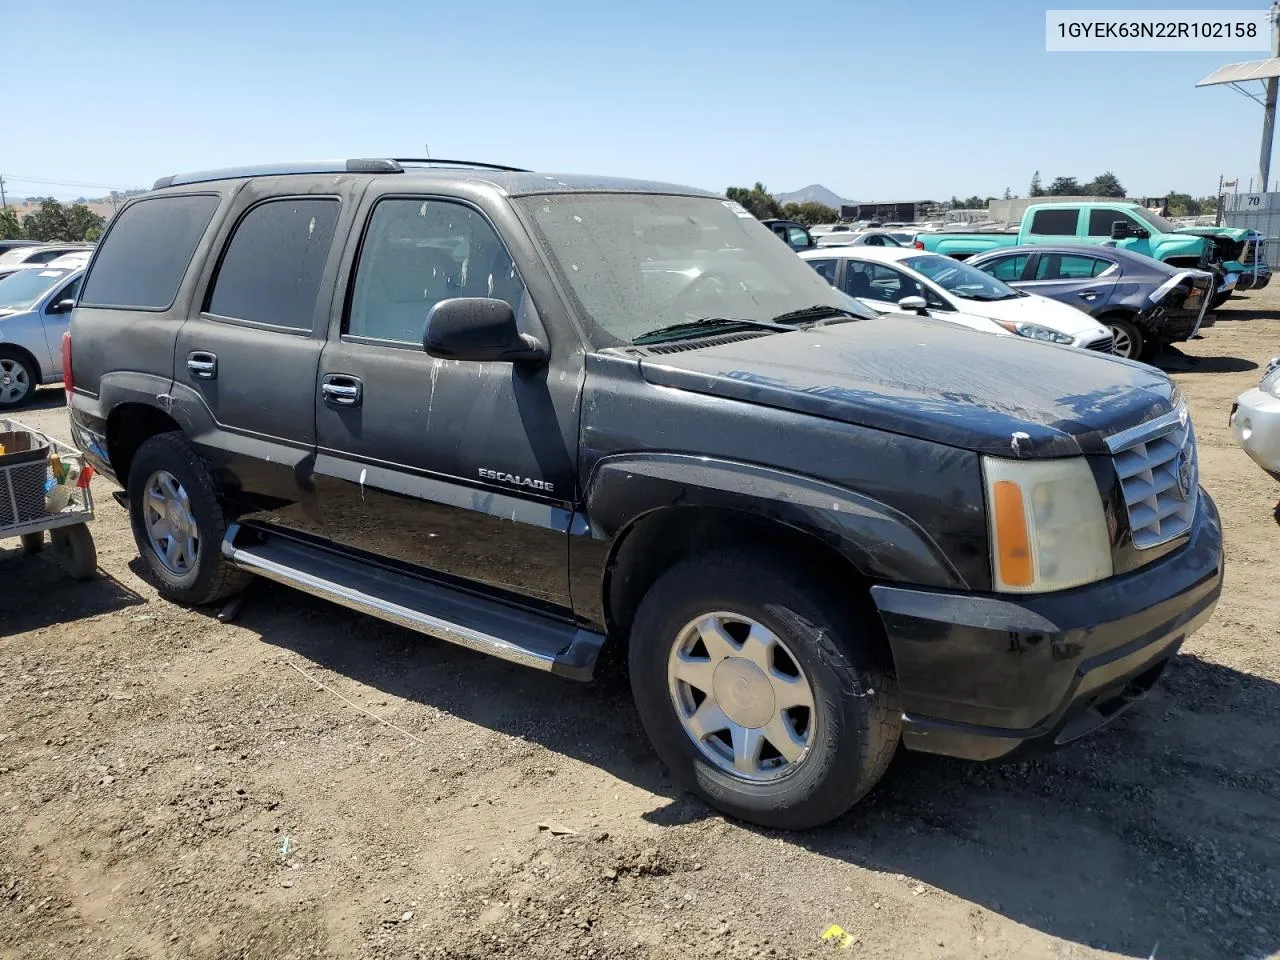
[(1255, 420), (982, 675)]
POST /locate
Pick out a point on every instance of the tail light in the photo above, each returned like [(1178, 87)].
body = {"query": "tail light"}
[(919, 244), (68, 374)]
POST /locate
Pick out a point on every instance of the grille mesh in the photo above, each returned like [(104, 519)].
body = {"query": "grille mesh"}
[(22, 485), (1160, 478)]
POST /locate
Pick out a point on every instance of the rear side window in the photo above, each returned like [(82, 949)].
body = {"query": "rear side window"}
[(826, 269), (146, 251), (272, 267), (1055, 222), (1062, 266)]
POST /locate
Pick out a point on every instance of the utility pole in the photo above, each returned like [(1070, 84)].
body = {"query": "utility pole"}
[(4, 204), (1269, 107)]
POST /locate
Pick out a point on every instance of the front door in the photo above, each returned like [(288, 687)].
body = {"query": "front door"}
[(55, 317), (458, 469), (1082, 280)]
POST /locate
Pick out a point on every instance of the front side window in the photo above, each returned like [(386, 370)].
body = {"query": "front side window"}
[(271, 270), (147, 249), (636, 262), (1056, 222), (417, 253), (1008, 269), (68, 292), (826, 269), (875, 281), (1100, 222), (1063, 266), (797, 238)]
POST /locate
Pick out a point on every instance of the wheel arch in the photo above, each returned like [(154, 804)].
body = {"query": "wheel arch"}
[(655, 510), (130, 425), (26, 356)]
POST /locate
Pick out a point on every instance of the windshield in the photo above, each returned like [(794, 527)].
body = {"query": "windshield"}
[(1158, 222), (961, 279), (20, 291), (635, 263)]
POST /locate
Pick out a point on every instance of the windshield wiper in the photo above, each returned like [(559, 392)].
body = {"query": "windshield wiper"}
[(704, 324), (816, 311)]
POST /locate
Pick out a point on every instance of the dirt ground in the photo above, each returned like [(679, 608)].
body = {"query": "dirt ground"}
[(171, 786)]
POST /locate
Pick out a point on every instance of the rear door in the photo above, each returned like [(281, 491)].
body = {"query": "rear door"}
[(245, 361), (1082, 280), (460, 469)]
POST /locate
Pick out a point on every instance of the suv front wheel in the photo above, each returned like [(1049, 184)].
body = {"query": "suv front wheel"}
[(178, 522), (760, 692)]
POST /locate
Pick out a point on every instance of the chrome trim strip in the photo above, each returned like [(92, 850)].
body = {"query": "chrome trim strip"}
[(391, 612), (1127, 438)]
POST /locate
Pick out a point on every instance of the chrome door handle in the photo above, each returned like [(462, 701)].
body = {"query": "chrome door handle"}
[(203, 366), (342, 391)]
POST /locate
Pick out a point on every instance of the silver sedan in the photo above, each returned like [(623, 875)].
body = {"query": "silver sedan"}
[(35, 307)]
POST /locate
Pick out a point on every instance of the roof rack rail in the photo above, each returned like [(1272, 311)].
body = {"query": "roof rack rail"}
[(460, 163), (358, 165)]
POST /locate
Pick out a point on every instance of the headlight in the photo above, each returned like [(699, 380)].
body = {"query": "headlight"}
[(1046, 524), (1035, 332), (1271, 382)]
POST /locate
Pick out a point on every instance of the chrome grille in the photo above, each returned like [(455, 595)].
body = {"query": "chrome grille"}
[(1156, 464), (1102, 345)]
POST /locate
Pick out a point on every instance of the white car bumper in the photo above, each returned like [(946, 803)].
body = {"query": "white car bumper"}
[(1255, 420)]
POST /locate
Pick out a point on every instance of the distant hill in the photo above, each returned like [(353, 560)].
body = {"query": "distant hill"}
[(815, 193)]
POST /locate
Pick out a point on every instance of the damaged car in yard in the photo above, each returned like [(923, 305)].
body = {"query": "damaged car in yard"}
[(1146, 303), (453, 396), (1255, 420)]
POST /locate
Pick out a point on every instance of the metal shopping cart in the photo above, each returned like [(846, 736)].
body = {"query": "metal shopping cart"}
[(44, 486)]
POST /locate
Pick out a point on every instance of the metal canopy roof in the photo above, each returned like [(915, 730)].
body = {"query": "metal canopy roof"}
[(1240, 72)]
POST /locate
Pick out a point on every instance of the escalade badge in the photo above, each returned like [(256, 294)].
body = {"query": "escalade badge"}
[(1185, 473), (516, 480)]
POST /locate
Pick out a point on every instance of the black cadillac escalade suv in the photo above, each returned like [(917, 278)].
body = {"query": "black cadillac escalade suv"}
[(537, 414)]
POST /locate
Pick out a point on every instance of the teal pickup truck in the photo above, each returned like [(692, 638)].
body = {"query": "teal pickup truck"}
[(1235, 255)]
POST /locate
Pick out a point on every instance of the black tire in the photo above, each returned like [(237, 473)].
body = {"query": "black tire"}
[(75, 550), (210, 578), (17, 366), (854, 735), (1127, 332), (33, 542)]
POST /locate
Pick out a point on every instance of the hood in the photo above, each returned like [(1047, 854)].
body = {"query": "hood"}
[(1035, 309), (1231, 233), (1001, 395)]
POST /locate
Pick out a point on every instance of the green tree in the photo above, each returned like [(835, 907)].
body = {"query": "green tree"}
[(974, 202), (53, 221), (1036, 190), (1065, 187), (1104, 185), (810, 212), (10, 226), (756, 199)]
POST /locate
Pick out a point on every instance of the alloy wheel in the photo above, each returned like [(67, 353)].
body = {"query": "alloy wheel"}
[(15, 381), (741, 696), (171, 527), (1121, 343)]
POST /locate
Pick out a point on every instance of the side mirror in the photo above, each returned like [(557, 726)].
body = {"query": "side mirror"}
[(477, 328), (917, 304), (62, 306), (1120, 230)]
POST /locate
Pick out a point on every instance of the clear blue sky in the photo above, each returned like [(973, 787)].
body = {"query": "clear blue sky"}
[(899, 100)]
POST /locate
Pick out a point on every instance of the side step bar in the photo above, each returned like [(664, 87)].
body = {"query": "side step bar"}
[(436, 610)]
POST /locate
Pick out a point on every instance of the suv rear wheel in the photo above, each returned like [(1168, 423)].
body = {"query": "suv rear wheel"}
[(178, 522), (761, 693)]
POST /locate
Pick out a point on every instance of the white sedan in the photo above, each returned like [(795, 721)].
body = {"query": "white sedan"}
[(904, 280)]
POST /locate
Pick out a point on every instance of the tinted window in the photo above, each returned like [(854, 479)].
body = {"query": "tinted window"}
[(1007, 269), (1061, 266), (826, 269), (68, 292), (271, 270), (44, 256), (1100, 222), (146, 252), (1055, 222), (417, 253)]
